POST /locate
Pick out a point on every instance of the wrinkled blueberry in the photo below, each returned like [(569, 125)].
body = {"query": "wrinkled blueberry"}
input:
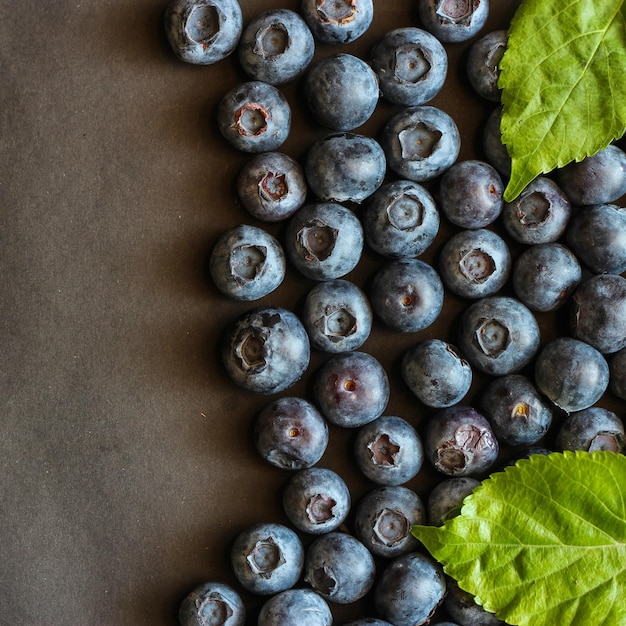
[(351, 389), (617, 369), (592, 429), (516, 411), (203, 32), (267, 558), (446, 498), (276, 47), (452, 21), (411, 65), (571, 373), (339, 567), (483, 61), (597, 236), (341, 91), (271, 186), (539, 214), (407, 295), (459, 441), (384, 517), (436, 373), (337, 21), (598, 312), (388, 450), (254, 117), (470, 194), (498, 335), (266, 350), (290, 433), (597, 179), (337, 316), (495, 151), (247, 263), (400, 219), (474, 263), (410, 589), (545, 276), (288, 608), (213, 603), (421, 142), (345, 167), (462, 607), (316, 500), (324, 240)]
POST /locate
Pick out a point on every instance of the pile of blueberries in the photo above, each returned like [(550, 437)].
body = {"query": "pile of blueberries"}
[(353, 191)]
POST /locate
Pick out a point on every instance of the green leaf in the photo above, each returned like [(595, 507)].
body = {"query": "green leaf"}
[(563, 81), (543, 542)]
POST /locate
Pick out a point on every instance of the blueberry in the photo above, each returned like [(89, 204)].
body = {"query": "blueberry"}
[(470, 194), (400, 219), (341, 91), (290, 433), (539, 214), (545, 276), (288, 607), (324, 240), (597, 236), (598, 312), (339, 567), (384, 517), (617, 369), (203, 32), (267, 558), (436, 373), (410, 589), (407, 295), (271, 186), (592, 429), (411, 65), (597, 179), (571, 373), (483, 62), (266, 350), (388, 450), (247, 263), (276, 47), (337, 316), (452, 21), (446, 498), (474, 263), (316, 500), (459, 441), (368, 621), (420, 142), (351, 389), (254, 117), (212, 603), (495, 151), (337, 21), (462, 607), (345, 167), (498, 335), (518, 414)]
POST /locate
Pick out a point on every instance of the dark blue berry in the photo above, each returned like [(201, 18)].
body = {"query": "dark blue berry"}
[(446, 498), (288, 608), (214, 603), (483, 61), (617, 369), (337, 21), (452, 21), (591, 429)]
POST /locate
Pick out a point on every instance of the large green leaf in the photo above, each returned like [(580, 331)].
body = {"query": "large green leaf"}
[(563, 80), (543, 542)]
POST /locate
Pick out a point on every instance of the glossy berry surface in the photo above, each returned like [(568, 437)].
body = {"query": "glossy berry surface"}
[(316, 500), (337, 21), (411, 65), (446, 498), (351, 389), (462, 607), (459, 441), (276, 47), (592, 429), (339, 567), (266, 350), (254, 117), (452, 21), (288, 607), (267, 558), (388, 450), (483, 62), (384, 517), (495, 151), (290, 433), (214, 603)]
